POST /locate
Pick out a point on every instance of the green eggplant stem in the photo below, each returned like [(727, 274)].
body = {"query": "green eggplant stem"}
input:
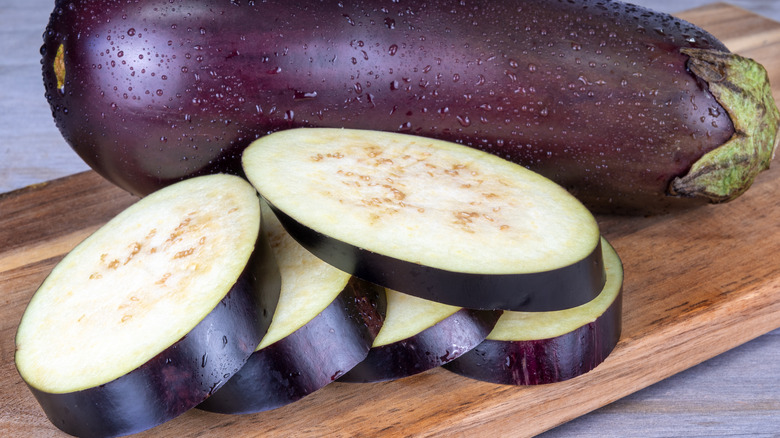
[(741, 86)]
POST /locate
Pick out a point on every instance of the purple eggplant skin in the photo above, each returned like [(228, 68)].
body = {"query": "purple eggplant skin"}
[(184, 374), (559, 289), (544, 361), (308, 359), (595, 95), (431, 348)]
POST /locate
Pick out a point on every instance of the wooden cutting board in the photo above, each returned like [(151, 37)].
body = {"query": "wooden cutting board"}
[(697, 284)]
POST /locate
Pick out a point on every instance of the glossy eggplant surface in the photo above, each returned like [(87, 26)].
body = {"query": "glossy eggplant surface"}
[(631, 110), (153, 312), (324, 324), (419, 335)]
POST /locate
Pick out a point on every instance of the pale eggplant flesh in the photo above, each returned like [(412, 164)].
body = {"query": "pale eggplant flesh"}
[(550, 347), (171, 383), (573, 285), (428, 218), (153, 312)]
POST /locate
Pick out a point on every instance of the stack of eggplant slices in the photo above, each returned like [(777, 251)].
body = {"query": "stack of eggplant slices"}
[(366, 257)]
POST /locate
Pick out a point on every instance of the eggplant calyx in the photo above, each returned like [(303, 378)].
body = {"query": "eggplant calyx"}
[(741, 86)]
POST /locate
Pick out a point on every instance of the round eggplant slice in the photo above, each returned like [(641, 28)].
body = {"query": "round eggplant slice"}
[(151, 313), (419, 335), (532, 348), (324, 324), (429, 218)]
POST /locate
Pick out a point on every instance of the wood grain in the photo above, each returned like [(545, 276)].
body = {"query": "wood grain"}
[(697, 284)]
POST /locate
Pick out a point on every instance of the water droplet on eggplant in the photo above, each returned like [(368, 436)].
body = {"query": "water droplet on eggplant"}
[(304, 95)]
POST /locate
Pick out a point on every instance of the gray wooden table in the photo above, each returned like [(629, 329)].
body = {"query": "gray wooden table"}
[(734, 394)]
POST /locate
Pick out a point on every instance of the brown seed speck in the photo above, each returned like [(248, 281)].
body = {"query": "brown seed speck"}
[(372, 202), (135, 248), (114, 264), (186, 253), (164, 278), (182, 225), (465, 217), (397, 194)]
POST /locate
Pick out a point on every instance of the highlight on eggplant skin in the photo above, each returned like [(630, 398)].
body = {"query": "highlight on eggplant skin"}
[(324, 324), (307, 360), (130, 339), (401, 354), (605, 98), (552, 347)]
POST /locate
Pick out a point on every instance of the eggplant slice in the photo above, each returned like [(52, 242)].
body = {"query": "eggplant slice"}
[(151, 313), (324, 324), (532, 348), (419, 335), (429, 218)]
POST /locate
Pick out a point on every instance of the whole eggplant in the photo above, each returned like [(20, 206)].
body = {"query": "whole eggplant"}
[(631, 110)]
